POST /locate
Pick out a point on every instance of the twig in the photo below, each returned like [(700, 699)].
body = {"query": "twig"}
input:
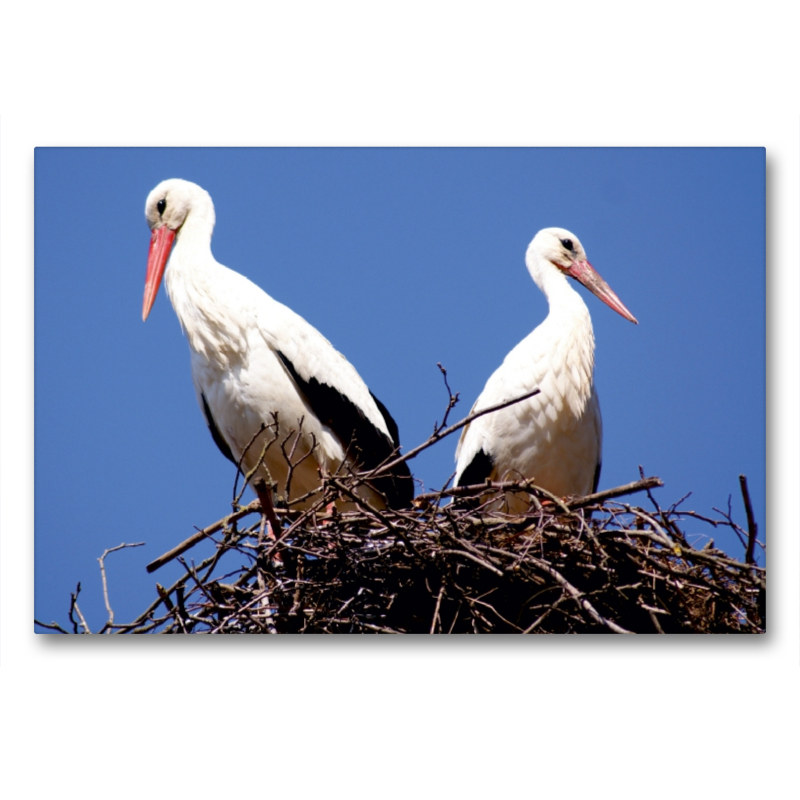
[(437, 436), (619, 491), (187, 544), (75, 607), (52, 626), (239, 465), (752, 528), (102, 561), (452, 399), (438, 606)]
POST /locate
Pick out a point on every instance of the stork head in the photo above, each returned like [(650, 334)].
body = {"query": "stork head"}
[(557, 247), (171, 207)]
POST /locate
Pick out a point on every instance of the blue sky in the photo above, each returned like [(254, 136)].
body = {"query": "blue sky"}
[(403, 258)]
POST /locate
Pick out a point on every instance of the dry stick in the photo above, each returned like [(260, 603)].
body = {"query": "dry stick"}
[(203, 534), (105, 583), (288, 458), (74, 604), (259, 463), (239, 470), (73, 599), (752, 528), (83, 620), (452, 399), (653, 618), (437, 436), (619, 491), (438, 605), (53, 626), (164, 595)]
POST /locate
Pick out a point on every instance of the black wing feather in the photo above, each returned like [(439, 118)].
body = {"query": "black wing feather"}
[(360, 438), (596, 481), (394, 431), (215, 434), (478, 470)]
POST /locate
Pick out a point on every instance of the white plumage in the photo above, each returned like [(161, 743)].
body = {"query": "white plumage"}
[(251, 357), (554, 438)]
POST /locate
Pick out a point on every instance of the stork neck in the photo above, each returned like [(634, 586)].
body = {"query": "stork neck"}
[(569, 340), (200, 291), (564, 301), (195, 234), (191, 259)]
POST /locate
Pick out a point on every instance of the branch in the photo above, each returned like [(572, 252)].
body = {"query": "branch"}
[(187, 544), (102, 561), (452, 399), (73, 606), (752, 528), (437, 436), (619, 491)]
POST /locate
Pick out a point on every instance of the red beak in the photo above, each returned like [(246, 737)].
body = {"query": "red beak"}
[(160, 246), (585, 273)]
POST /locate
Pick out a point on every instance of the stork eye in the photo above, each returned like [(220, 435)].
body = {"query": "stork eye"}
[(161, 206), (568, 244)]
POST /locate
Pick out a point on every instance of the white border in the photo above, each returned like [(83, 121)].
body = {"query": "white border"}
[(383, 717)]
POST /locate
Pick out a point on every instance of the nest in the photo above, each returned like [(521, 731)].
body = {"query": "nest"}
[(454, 564), (592, 565)]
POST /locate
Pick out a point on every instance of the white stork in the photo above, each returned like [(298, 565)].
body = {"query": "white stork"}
[(555, 437), (252, 357)]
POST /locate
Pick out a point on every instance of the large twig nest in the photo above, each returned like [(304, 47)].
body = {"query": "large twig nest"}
[(592, 565)]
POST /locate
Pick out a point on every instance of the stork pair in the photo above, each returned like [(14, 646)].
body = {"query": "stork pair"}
[(269, 383)]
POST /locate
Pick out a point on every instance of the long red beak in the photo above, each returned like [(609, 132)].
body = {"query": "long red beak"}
[(160, 246), (585, 273)]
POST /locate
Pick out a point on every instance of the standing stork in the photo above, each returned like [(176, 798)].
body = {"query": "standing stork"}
[(555, 437), (256, 363)]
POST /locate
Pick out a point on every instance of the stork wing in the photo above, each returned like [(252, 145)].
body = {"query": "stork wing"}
[(339, 398)]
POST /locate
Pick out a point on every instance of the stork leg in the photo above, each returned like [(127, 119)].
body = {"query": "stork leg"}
[(264, 494)]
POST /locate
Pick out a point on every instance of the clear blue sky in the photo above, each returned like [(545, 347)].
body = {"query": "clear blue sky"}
[(402, 258)]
